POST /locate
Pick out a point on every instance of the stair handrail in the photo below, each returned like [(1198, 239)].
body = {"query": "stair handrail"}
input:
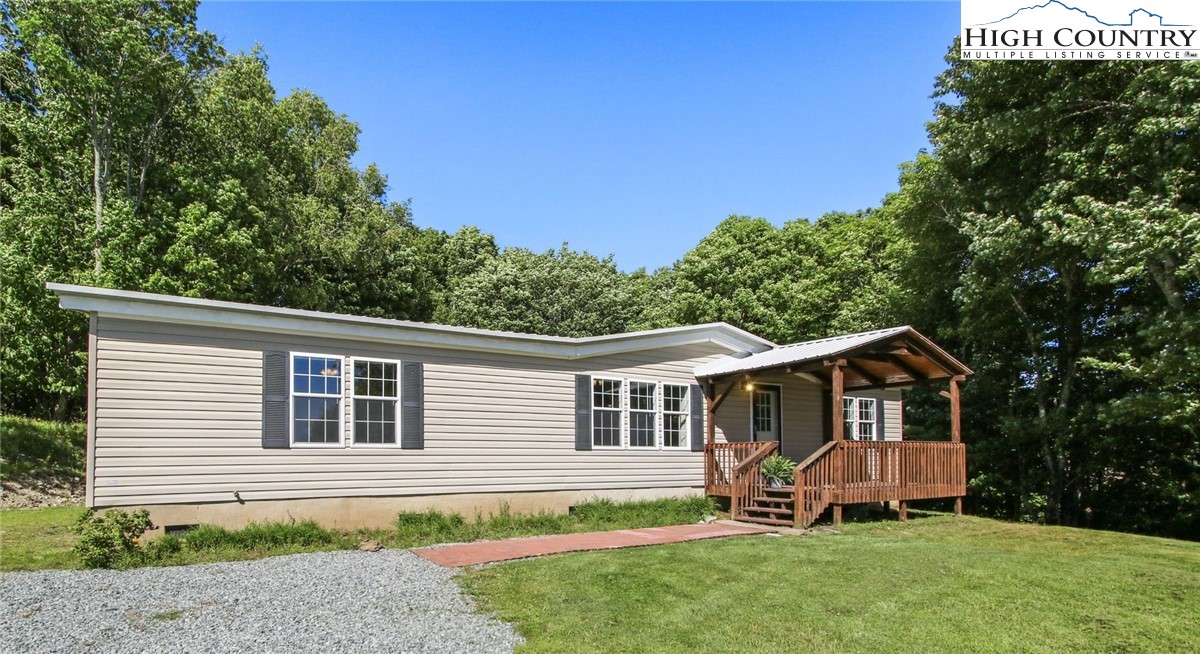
[(804, 514), (812, 458), (739, 489)]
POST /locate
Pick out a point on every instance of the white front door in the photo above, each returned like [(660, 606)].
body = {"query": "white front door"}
[(765, 415)]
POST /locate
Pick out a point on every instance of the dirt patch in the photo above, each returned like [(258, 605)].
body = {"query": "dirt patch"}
[(37, 491)]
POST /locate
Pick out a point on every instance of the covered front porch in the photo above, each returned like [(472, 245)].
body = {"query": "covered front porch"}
[(848, 454)]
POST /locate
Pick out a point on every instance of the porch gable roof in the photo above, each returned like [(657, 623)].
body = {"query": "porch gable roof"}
[(883, 357)]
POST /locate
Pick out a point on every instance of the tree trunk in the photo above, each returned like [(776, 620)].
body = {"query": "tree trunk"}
[(98, 202), (61, 406)]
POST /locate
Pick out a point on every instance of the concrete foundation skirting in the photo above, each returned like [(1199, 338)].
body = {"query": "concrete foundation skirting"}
[(380, 512)]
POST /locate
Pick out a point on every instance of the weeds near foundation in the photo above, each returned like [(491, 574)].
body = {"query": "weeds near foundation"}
[(414, 529), (208, 543)]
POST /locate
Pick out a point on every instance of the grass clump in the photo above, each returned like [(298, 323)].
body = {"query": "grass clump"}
[(261, 536), (596, 515), (414, 529), (40, 447), (209, 543)]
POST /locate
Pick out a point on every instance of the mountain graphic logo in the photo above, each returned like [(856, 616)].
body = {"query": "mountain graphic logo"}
[(1051, 4)]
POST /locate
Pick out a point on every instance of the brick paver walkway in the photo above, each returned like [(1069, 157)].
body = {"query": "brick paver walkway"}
[(490, 551)]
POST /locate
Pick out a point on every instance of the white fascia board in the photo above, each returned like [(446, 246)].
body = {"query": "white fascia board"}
[(132, 305)]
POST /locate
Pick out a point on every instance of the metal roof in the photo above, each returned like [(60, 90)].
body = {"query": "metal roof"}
[(796, 353)]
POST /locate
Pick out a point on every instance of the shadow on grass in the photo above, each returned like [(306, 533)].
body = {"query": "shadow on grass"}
[(877, 513)]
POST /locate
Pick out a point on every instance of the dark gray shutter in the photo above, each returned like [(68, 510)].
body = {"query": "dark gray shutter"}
[(412, 405), (696, 419), (880, 434), (583, 412), (275, 409)]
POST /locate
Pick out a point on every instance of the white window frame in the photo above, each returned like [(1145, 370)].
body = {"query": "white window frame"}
[(627, 432), (622, 424), (776, 417), (341, 400), (355, 396), (685, 440), (851, 417), (659, 412)]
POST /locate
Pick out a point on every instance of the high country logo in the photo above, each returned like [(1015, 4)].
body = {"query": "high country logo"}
[(1080, 29)]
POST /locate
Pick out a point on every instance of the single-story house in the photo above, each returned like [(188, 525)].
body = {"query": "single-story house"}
[(219, 412)]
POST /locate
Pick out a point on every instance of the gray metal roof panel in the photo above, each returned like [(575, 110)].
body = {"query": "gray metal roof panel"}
[(170, 308), (797, 352)]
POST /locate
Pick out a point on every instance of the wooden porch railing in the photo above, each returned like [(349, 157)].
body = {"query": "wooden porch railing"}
[(747, 480), (719, 461), (855, 472)]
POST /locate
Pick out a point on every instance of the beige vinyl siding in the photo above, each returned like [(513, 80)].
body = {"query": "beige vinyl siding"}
[(800, 415), (179, 408)]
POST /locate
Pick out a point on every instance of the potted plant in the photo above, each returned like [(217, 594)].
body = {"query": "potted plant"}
[(778, 470)]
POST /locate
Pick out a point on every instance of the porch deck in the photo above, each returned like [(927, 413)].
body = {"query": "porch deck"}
[(838, 474)]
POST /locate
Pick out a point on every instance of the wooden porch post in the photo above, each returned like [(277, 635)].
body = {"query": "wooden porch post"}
[(839, 420), (956, 426), (955, 413), (839, 434)]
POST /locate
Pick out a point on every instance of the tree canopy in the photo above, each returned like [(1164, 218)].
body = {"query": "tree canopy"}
[(1057, 218)]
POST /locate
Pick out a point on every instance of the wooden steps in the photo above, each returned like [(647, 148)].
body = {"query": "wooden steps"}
[(772, 506), (769, 509), (774, 522)]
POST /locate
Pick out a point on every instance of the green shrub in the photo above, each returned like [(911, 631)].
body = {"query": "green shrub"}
[(111, 539), (779, 467), (41, 447)]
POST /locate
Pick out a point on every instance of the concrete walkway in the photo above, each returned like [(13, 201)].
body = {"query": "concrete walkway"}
[(491, 551)]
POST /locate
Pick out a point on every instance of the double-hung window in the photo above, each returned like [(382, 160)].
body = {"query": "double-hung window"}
[(860, 418), (607, 409), (675, 415), (316, 399), (632, 414), (376, 395), (643, 414)]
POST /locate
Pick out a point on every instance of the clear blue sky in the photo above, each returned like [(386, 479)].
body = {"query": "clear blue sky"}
[(624, 129)]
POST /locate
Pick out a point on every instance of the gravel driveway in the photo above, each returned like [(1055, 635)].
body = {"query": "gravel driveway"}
[(389, 601)]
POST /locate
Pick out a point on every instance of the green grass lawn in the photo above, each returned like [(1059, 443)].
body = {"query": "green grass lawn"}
[(936, 584), (37, 539)]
